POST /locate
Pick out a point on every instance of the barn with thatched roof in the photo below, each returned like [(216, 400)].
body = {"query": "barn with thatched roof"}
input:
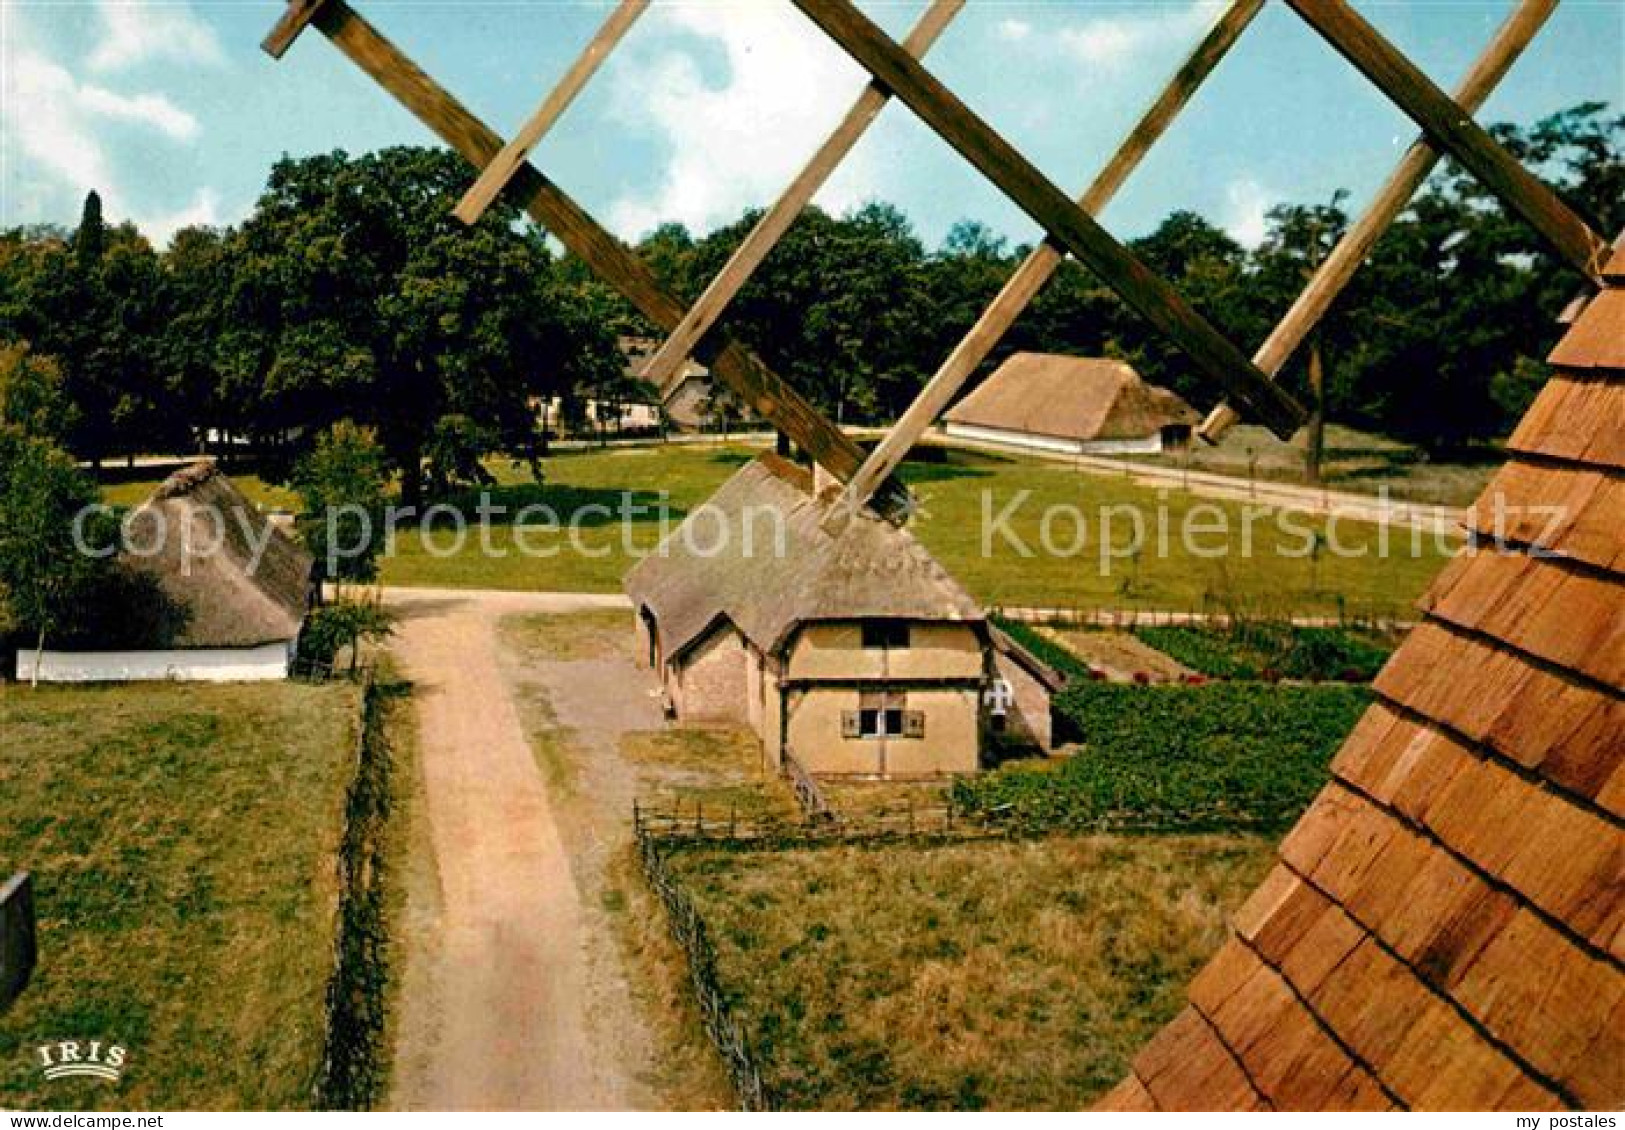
[(239, 587), (1444, 929), (843, 643), (1071, 405)]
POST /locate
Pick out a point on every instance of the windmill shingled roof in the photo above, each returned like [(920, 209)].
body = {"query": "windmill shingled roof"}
[(1445, 926)]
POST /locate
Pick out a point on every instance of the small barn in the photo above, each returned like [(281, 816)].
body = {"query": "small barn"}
[(845, 645), (1074, 406), (239, 588)]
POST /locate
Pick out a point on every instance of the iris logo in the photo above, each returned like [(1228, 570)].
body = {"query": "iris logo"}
[(70, 1059)]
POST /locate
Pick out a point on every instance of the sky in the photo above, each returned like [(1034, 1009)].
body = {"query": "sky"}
[(170, 110)]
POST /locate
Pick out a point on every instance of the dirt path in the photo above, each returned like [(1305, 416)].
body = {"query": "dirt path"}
[(494, 1014)]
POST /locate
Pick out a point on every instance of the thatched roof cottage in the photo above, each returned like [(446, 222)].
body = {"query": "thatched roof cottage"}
[(238, 585), (848, 647), (1071, 405)]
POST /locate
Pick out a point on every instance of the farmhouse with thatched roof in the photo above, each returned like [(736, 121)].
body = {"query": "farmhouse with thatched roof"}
[(848, 647), (1073, 405), (239, 586)]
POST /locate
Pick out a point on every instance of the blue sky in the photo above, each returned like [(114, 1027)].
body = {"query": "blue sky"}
[(172, 112)]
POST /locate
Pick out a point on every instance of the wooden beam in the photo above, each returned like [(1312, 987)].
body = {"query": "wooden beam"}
[(1072, 227), (757, 385), (1042, 262), (1345, 259), (501, 168), (289, 25), (665, 367), (1455, 132)]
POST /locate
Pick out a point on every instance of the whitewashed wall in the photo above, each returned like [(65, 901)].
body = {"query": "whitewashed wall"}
[(1150, 445), (203, 665)]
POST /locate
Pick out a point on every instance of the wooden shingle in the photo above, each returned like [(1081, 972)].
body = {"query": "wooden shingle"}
[(1596, 340)]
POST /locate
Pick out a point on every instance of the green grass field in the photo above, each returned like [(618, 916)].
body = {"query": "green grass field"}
[(182, 841), (1258, 564), (991, 975)]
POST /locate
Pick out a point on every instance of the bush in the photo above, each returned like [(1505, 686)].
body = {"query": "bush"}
[(1046, 649), (1220, 756), (339, 625), (1271, 651)]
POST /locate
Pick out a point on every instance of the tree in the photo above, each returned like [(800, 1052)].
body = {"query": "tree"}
[(32, 393), (44, 574), (371, 302), (343, 624), (91, 238), (344, 485)]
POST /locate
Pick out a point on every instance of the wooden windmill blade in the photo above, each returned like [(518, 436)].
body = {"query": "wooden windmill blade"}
[(1339, 267), (757, 385), (501, 168), (1135, 283), (1452, 129), (1023, 286), (666, 365)]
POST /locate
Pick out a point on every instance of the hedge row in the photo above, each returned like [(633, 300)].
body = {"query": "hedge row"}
[(1273, 651)]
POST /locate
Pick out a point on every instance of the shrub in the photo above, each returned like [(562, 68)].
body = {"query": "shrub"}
[(1272, 651), (1046, 649), (1224, 755)]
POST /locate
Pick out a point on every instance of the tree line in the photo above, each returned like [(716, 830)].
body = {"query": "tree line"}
[(350, 293)]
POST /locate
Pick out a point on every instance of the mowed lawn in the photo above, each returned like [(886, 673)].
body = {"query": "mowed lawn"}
[(1016, 532), (989, 975), (183, 842)]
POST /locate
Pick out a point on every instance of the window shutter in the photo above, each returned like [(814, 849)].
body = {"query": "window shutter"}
[(914, 723), (849, 724)]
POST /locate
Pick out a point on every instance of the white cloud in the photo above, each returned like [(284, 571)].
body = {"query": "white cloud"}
[(1118, 40), (1245, 204), (143, 109), (57, 135), (203, 210), (134, 32), (738, 141), (1013, 30)]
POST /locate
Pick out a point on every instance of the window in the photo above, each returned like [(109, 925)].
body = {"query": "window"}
[(885, 634), (883, 714)]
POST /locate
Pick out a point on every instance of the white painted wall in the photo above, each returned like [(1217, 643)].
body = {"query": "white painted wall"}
[(202, 665), (1150, 445)]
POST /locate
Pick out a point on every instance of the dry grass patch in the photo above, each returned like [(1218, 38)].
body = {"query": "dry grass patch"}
[(184, 841), (1006, 975), (569, 638), (717, 770)]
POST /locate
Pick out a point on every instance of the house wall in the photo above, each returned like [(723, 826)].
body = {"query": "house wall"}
[(1029, 715), (935, 651), (203, 665), (1028, 441), (713, 679), (951, 743)]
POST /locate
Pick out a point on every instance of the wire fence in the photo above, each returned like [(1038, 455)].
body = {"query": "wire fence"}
[(1374, 617)]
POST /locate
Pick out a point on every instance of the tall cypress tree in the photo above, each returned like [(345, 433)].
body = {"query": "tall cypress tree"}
[(91, 237)]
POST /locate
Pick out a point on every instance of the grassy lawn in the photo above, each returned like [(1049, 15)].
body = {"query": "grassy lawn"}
[(1353, 461), (983, 975), (1259, 564), (183, 840)]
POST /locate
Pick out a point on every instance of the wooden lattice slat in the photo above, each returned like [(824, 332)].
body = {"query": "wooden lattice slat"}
[(1021, 181)]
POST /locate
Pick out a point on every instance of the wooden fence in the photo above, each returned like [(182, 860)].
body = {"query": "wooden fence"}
[(17, 937), (681, 826), (808, 795), (1124, 619), (689, 929)]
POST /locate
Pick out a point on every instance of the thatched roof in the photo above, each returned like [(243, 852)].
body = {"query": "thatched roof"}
[(1078, 398), (229, 598), (1445, 927), (767, 584)]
